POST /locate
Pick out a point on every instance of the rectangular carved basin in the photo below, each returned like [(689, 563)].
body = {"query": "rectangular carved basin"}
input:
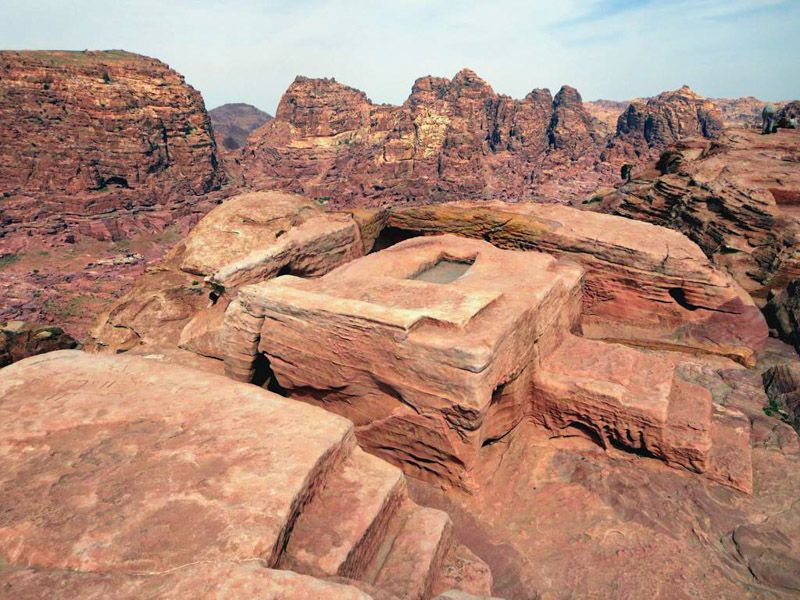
[(444, 271)]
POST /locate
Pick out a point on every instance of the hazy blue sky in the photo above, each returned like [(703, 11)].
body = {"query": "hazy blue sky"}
[(250, 50)]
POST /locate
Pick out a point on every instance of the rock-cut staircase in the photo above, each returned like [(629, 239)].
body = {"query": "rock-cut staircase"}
[(362, 525)]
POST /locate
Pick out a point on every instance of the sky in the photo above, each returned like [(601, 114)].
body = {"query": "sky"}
[(251, 50)]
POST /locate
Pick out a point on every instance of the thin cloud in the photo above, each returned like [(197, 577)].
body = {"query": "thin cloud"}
[(251, 50)]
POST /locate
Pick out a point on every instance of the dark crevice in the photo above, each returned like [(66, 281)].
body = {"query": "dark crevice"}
[(586, 431), (263, 375), (390, 236), (679, 295)]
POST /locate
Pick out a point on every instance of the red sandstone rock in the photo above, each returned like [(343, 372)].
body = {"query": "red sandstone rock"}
[(93, 135), (644, 285), (451, 139), (426, 360), (118, 468), (249, 238), (736, 199), (228, 580), (440, 346), (668, 118), (20, 340), (782, 384)]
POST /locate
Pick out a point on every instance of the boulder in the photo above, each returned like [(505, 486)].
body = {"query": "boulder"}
[(248, 238), (20, 340)]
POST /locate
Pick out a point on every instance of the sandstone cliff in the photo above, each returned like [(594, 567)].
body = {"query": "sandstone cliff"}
[(668, 118), (97, 136), (453, 139)]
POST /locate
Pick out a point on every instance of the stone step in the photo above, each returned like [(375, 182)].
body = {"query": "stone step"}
[(342, 528), (413, 553)]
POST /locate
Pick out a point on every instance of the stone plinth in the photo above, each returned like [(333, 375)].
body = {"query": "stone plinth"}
[(439, 346), (424, 346)]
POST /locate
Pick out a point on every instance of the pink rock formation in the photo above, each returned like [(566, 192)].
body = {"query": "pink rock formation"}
[(439, 347), (736, 200), (426, 360), (668, 118), (233, 580), (92, 141), (644, 285), (117, 468), (248, 238), (20, 340), (451, 138)]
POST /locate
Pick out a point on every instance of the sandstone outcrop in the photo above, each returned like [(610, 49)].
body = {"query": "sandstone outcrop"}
[(232, 123), (644, 285), (668, 118), (782, 384), (440, 346), (735, 199), (134, 472), (248, 238), (783, 313), (90, 141), (451, 139), (20, 340), (231, 580)]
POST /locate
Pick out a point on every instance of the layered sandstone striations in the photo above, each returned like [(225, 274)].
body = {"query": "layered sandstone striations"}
[(737, 199), (250, 237), (130, 472), (451, 139), (563, 480), (99, 142), (668, 118), (441, 346), (232, 124), (644, 285)]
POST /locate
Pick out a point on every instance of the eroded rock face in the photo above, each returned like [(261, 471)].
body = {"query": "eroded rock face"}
[(451, 139), (87, 136), (782, 384), (20, 340), (129, 473), (232, 124), (668, 118), (736, 199), (250, 237), (783, 312), (644, 285), (440, 346)]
